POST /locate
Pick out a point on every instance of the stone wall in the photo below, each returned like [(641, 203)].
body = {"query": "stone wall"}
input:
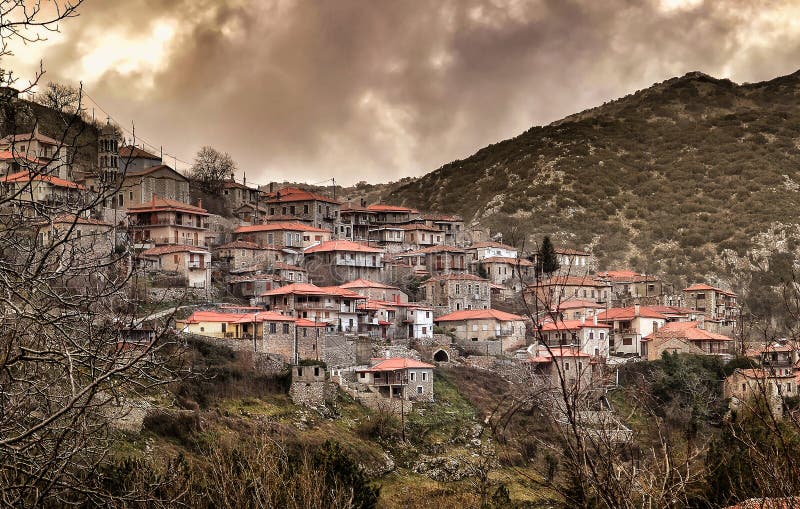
[(487, 347), (262, 361), (183, 294), (339, 352)]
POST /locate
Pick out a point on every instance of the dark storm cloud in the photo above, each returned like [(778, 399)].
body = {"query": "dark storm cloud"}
[(377, 90)]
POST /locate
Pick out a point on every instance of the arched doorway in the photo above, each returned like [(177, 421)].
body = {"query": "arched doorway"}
[(441, 356)]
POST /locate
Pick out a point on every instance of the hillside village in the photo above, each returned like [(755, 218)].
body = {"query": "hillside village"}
[(374, 294)]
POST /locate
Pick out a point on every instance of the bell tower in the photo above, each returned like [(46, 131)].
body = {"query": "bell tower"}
[(107, 155)]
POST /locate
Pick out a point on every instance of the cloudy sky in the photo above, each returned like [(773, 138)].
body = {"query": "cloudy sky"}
[(376, 89)]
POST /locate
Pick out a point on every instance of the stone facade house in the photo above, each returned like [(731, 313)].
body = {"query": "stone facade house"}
[(436, 260), (685, 337), (451, 226), (191, 262), (575, 309), (399, 377), (550, 292), (164, 221), (576, 367), (586, 335), (455, 292), (338, 261), (356, 222), (35, 146), (771, 384), (240, 255), (238, 194), (333, 306), (505, 271), (376, 291), (318, 210), (628, 287), (31, 190), (392, 214), (291, 235), (388, 237), (629, 325), (719, 306), (250, 286), (477, 326), (420, 235)]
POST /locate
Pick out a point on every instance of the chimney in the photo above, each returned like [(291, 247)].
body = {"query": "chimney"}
[(200, 202), (637, 309)]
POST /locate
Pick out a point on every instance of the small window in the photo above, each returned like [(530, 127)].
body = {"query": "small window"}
[(413, 376), (566, 366), (286, 328), (420, 390), (424, 376)]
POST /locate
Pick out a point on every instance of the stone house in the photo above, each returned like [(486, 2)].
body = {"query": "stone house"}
[(685, 337), (376, 291), (477, 326), (240, 255), (132, 158), (238, 194), (771, 384), (333, 306), (164, 221), (576, 367), (252, 285), (628, 287), (505, 271), (719, 306), (548, 293), (251, 213), (191, 262), (482, 250), (399, 377), (420, 235), (136, 187), (356, 223), (292, 235), (316, 209), (629, 325), (289, 273), (53, 154), (436, 260), (395, 320), (573, 261), (11, 162), (31, 190), (338, 261), (451, 226), (575, 309), (392, 214), (79, 239), (388, 237), (586, 335), (455, 292)]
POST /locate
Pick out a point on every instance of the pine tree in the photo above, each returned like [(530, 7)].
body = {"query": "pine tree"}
[(548, 261)]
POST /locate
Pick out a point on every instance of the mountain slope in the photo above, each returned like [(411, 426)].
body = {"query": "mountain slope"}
[(688, 177)]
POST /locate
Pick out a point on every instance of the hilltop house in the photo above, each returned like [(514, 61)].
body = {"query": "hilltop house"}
[(485, 331), (575, 309), (550, 292), (549, 365), (191, 262), (483, 250), (451, 226), (238, 194), (250, 286), (719, 306), (628, 287), (628, 327), (435, 260), (356, 223), (291, 234), (164, 221), (455, 292), (319, 211), (505, 271), (586, 335), (685, 337), (337, 261), (240, 255), (373, 290), (771, 384), (33, 190), (392, 214), (52, 154), (334, 306), (399, 377)]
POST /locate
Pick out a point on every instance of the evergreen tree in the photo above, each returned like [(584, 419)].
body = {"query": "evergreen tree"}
[(548, 261)]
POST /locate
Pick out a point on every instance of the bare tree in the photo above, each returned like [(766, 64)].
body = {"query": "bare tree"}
[(211, 167)]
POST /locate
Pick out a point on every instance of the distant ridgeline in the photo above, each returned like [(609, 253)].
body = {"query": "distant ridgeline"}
[(685, 178)]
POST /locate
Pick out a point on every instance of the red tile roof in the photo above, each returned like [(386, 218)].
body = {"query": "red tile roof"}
[(28, 176), (568, 251), (29, 137), (153, 169), (71, 218), (265, 316), (705, 287), (303, 322), (571, 281), (685, 330), (281, 226), (159, 204), (135, 152), (398, 363), (572, 325), (492, 244), (522, 262), (341, 245), (364, 283), (309, 289), (294, 194), (7, 155), (556, 351), (455, 277), (213, 316), (479, 314), (161, 250), (432, 249), (378, 207), (629, 314)]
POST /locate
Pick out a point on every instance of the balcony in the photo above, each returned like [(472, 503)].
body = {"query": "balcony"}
[(197, 265)]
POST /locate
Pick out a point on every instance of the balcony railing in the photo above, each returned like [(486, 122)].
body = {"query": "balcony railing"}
[(197, 265)]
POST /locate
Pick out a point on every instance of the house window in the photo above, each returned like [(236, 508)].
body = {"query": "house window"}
[(175, 258), (202, 329), (744, 387), (224, 327), (286, 328), (305, 209), (413, 376), (627, 341), (273, 328), (419, 389), (424, 376), (475, 327), (362, 375), (424, 330), (566, 366)]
